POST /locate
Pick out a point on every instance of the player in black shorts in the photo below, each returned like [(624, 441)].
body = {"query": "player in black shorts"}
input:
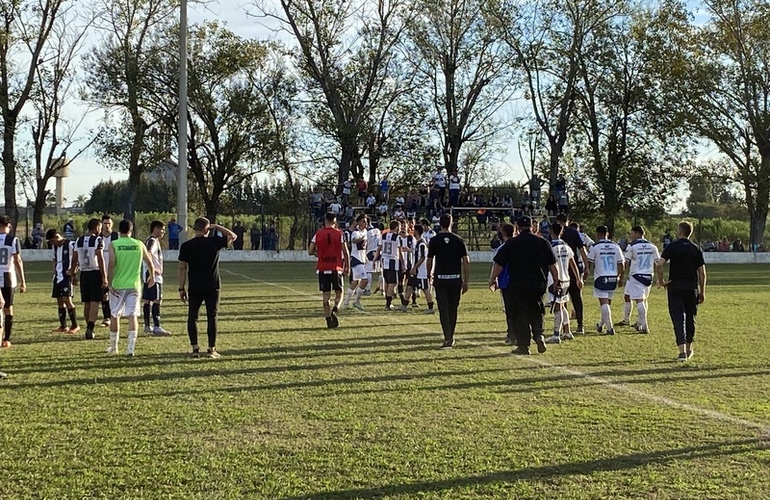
[(62, 283)]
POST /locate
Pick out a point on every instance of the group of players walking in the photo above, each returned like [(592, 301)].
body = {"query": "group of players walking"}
[(526, 268)]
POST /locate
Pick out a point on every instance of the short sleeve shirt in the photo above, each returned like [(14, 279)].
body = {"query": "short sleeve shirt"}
[(447, 251), (685, 259), (202, 257)]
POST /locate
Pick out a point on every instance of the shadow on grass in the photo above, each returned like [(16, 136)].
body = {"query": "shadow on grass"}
[(545, 473)]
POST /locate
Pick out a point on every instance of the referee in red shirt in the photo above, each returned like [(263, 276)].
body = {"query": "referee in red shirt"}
[(333, 263)]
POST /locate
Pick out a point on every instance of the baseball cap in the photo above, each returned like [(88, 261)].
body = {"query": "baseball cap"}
[(524, 221)]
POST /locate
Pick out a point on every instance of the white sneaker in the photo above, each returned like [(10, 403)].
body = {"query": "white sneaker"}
[(160, 332), (554, 339), (567, 336), (147, 329)]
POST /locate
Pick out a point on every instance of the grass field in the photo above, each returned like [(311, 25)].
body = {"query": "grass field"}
[(375, 410)]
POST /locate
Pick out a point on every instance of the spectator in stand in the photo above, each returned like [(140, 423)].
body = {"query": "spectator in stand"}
[(494, 201), (361, 187), (398, 212), (69, 229), (413, 201), (667, 239), (564, 203), (385, 189), (545, 228), (335, 207), (507, 201), (400, 201), (723, 245), (738, 245), (239, 231), (550, 206), (255, 235), (436, 205), (534, 189), (371, 201), (38, 235), (478, 200), (347, 187), (174, 230), (525, 201), (560, 186), (439, 182), (424, 196), (454, 189), (382, 210)]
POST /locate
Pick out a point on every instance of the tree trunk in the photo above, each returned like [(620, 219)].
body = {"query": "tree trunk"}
[(553, 165), (40, 201), (9, 166)]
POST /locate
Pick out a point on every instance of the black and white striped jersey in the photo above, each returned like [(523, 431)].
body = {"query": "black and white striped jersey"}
[(87, 248)]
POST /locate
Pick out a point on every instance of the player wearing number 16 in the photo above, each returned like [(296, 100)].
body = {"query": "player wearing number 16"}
[(606, 257)]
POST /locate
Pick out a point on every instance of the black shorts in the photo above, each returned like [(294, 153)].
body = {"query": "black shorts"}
[(7, 292), (390, 276), (329, 282), (418, 284), (62, 289), (153, 293), (91, 286)]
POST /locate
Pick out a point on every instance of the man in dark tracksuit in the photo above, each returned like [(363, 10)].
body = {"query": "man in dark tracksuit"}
[(572, 238), (449, 268), (686, 286), (529, 258)]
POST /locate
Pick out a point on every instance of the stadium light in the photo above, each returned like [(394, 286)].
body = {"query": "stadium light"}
[(181, 179)]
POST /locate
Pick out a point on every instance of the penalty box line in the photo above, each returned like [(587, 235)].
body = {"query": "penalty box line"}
[(616, 386)]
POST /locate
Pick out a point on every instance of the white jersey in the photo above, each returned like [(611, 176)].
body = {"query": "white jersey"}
[(390, 252), (605, 255), (358, 245), (454, 183), (9, 246), (62, 257), (421, 252), (156, 253), (642, 254), (87, 248), (407, 244), (106, 250), (563, 254), (373, 240), (427, 235), (439, 179)]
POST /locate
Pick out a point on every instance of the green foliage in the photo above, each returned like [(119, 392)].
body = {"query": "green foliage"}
[(113, 197)]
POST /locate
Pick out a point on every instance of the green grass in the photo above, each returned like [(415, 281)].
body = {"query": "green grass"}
[(375, 410)]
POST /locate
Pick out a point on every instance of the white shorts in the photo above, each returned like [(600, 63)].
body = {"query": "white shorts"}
[(373, 266), (561, 299), (636, 290), (603, 294), (359, 273), (125, 304)]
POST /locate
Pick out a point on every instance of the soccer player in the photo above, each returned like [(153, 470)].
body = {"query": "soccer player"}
[(199, 261), (11, 271), (153, 296), (608, 262), (373, 240), (358, 241), (63, 252), (124, 280), (559, 295), (390, 253), (89, 258), (406, 242), (107, 235), (418, 273), (686, 286), (572, 238), (333, 263), (641, 256)]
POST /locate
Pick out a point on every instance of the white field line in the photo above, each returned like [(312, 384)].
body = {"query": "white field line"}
[(617, 386)]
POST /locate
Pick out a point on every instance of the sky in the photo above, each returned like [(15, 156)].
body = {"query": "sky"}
[(86, 171)]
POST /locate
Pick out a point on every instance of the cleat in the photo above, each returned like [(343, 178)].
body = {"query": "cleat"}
[(448, 344), (403, 309), (89, 334), (106, 322), (555, 339), (367, 293), (508, 341), (147, 329), (415, 305), (158, 331), (213, 354), (6, 344), (389, 308), (682, 357), (541, 348), (335, 321), (61, 329), (112, 350), (611, 332), (567, 336), (635, 326), (690, 354), (642, 329), (624, 322), (521, 351), (429, 311), (599, 327), (73, 329), (130, 354), (580, 331), (358, 306), (196, 353)]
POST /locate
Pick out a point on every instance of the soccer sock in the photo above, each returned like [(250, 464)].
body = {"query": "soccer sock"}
[(404, 301), (388, 300), (146, 311), (641, 308), (114, 340), (73, 317), (156, 314), (90, 325), (430, 305), (607, 315), (371, 280), (8, 327), (414, 296), (63, 316), (131, 342), (348, 295), (401, 291), (627, 311), (359, 294), (106, 309), (557, 318)]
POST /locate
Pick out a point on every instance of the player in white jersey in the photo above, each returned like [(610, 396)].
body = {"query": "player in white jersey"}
[(152, 296), (407, 243), (565, 262), (641, 256), (358, 245), (390, 253), (418, 272), (107, 235), (607, 259), (373, 240), (89, 259), (63, 252), (428, 232), (11, 272)]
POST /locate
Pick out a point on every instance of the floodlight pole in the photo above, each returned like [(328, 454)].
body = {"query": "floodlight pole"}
[(181, 179)]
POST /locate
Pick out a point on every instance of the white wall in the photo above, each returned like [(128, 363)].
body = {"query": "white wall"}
[(302, 256)]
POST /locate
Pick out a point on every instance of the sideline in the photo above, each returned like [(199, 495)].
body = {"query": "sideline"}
[(617, 386)]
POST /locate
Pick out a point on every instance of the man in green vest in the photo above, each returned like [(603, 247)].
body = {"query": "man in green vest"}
[(124, 278)]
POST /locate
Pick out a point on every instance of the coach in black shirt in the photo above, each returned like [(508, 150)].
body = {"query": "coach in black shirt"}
[(571, 237), (686, 286), (449, 267), (529, 258)]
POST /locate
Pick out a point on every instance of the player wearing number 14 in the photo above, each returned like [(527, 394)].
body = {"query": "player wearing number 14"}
[(608, 263), (641, 256)]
